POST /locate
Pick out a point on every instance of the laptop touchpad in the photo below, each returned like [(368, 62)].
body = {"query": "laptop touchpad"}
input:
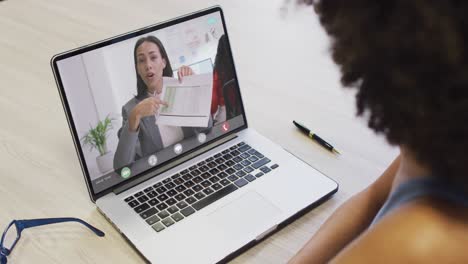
[(244, 215)]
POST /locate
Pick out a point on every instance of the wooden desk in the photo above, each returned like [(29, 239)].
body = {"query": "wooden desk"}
[(281, 61)]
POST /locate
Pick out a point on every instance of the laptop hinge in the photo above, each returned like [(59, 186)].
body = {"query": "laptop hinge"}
[(173, 164)]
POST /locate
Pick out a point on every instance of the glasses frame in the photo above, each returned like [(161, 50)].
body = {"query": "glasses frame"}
[(28, 223)]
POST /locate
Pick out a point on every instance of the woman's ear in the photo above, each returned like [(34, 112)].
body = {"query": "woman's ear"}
[(164, 63)]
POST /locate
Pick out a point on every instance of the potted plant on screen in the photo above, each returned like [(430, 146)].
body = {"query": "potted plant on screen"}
[(96, 138)]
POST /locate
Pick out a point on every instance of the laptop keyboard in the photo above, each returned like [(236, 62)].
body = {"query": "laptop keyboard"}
[(179, 196)]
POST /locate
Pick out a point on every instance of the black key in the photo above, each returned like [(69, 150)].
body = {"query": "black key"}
[(260, 163), (161, 206), (152, 194), (172, 209), (201, 163), (153, 202), (203, 168), (214, 171), (182, 205), (206, 175), (169, 185), (217, 155), (244, 155), (209, 159), (208, 191), (229, 163), (224, 182), (251, 151), (246, 163), (259, 155), (235, 153), (187, 177), (240, 182), (148, 213), (180, 197), (163, 214), (222, 167), (197, 179), (233, 178), (158, 227), (216, 186), (168, 222), (230, 171), (250, 177), (197, 188), (248, 169), (189, 192), (143, 198), (258, 175), (193, 167), (175, 176), (199, 196), (189, 184), (233, 147), (244, 148), (212, 165), (178, 181), (162, 197), (184, 172), (180, 188), (227, 157), (214, 179), (141, 208), (241, 174), (187, 211), (161, 189), (171, 193), (171, 201), (225, 151), (265, 169), (219, 160), (152, 220), (206, 183), (214, 197), (128, 199), (138, 194), (195, 172), (241, 144), (190, 200), (149, 189), (222, 175), (274, 166), (253, 158), (133, 203), (159, 184), (238, 167), (166, 180), (177, 217)]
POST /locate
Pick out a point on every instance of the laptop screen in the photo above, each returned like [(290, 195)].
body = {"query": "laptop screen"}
[(141, 100)]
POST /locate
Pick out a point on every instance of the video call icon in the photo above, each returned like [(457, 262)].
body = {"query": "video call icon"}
[(125, 172), (152, 160), (178, 149), (201, 137)]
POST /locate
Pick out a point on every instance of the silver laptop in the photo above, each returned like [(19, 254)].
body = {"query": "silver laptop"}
[(172, 164)]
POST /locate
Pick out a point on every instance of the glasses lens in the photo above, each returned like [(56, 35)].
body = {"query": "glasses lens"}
[(10, 236)]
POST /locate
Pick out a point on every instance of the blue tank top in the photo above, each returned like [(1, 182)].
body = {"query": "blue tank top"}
[(422, 187)]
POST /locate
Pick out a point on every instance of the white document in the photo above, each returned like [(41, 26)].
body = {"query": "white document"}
[(189, 102)]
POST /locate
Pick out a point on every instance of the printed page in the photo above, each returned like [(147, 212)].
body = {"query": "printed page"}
[(188, 102)]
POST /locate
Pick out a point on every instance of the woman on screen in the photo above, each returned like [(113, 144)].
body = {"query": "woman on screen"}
[(139, 135)]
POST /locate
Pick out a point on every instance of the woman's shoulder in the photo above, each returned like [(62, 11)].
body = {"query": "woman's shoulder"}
[(427, 229)]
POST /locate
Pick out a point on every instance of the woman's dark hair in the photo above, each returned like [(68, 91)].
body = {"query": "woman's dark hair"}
[(167, 72), (408, 61)]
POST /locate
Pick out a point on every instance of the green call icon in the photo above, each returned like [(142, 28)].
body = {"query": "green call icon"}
[(125, 172)]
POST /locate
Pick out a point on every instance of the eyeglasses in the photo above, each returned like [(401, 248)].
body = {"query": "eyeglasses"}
[(9, 241)]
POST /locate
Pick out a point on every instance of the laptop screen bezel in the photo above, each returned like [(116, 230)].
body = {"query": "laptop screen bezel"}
[(54, 64)]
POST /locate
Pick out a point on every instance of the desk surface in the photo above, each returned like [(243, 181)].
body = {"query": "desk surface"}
[(280, 60)]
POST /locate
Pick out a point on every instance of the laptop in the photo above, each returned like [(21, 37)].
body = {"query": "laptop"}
[(172, 164)]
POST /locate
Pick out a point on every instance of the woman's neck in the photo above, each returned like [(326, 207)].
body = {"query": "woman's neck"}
[(409, 169), (157, 89)]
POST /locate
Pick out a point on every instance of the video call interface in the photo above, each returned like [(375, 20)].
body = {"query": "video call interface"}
[(146, 100)]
